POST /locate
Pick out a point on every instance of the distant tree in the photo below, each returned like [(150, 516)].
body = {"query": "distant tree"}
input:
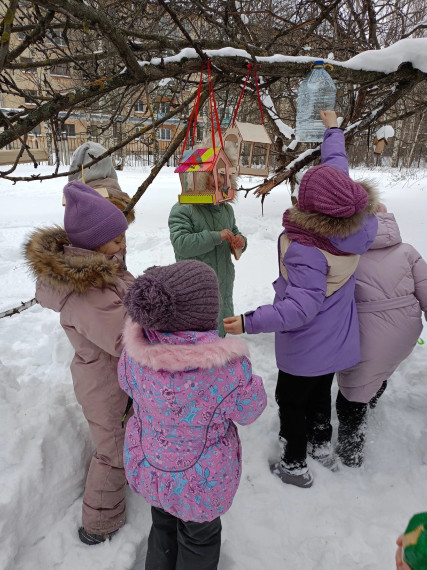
[(119, 51)]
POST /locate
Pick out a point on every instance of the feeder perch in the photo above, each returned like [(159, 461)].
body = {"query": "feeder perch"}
[(204, 174), (252, 144)]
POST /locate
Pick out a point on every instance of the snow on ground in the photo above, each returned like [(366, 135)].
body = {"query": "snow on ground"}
[(348, 520)]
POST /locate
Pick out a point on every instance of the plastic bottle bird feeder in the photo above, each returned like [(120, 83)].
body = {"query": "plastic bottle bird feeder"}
[(204, 174), (253, 145)]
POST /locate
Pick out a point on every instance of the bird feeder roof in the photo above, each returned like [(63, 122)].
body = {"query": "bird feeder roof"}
[(200, 160), (253, 133)]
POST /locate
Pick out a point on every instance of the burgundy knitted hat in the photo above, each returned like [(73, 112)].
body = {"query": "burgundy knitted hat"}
[(89, 219), (327, 190), (178, 297)]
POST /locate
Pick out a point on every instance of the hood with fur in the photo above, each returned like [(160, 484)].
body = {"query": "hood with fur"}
[(116, 195), (67, 269), (326, 226)]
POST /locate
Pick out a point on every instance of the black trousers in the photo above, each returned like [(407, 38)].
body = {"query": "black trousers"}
[(352, 427), (305, 414), (177, 545)]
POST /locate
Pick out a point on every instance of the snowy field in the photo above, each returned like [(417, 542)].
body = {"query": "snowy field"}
[(348, 520)]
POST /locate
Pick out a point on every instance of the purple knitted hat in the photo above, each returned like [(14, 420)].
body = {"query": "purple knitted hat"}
[(89, 219), (327, 190), (178, 297)]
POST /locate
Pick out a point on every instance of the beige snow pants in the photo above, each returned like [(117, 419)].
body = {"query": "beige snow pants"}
[(104, 404)]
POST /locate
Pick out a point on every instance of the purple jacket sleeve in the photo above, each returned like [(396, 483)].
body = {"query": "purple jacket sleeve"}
[(333, 150), (360, 241), (307, 269)]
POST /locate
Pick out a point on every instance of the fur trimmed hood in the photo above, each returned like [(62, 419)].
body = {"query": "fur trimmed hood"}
[(326, 226), (115, 194), (179, 357), (52, 259)]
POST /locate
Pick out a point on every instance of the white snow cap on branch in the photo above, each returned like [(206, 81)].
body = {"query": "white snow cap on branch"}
[(384, 60), (385, 132)]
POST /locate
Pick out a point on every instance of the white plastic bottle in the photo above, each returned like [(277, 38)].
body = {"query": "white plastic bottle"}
[(316, 92)]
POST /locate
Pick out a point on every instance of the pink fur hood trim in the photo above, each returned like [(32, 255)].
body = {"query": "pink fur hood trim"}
[(178, 357)]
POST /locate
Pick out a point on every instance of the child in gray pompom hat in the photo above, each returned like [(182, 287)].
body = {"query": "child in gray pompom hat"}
[(85, 154), (101, 176)]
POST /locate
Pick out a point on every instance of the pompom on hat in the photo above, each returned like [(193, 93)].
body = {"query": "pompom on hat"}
[(178, 297), (327, 190), (89, 219)]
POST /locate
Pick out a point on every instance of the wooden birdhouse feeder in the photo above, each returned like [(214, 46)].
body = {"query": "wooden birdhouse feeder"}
[(204, 174), (253, 145)]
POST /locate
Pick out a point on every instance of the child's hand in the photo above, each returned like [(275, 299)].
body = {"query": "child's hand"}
[(329, 118), (400, 565), (237, 242), (233, 325), (226, 235)]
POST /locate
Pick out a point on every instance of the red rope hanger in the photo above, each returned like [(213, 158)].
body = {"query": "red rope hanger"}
[(214, 110), (195, 112), (251, 68), (193, 116)]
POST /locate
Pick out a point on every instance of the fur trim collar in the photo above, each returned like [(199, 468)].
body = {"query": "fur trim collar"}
[(327, 226), (179, 357), (44, 252)]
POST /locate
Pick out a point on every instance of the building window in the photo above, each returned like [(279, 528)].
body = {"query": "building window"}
[(55, 37), (165, 134), (138, 130), (29, 96), (164, 108), (37, 131), (70, 130), (139, 107), (93, 131), (62, 69), (28, 60)]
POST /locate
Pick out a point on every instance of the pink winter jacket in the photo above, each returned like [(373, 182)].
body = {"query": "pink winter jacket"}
[(182, 449), (87, 289), (391, 292)]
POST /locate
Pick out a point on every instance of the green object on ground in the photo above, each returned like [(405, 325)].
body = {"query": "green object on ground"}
[(415, 542)]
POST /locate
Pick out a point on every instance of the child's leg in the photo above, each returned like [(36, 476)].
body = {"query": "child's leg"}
[(374, 401), (103, 404), (199, 545), (292, 394), (319, 429), (351, 430), (162, 542)]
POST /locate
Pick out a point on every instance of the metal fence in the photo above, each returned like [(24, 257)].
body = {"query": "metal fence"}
[(139, 152)]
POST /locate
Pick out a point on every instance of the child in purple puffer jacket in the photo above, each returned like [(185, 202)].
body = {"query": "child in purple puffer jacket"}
[(314, 314), (182, 449)]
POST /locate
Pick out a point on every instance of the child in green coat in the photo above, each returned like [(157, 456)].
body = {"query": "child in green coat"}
[(208, 232)]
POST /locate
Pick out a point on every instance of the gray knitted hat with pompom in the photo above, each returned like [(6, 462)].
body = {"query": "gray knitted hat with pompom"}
[(178, 297)]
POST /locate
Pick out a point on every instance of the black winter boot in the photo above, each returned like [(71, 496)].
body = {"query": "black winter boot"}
[(351, 431), (92, 539)]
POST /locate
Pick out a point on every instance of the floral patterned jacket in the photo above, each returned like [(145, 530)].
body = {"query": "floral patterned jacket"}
[(182, 450)]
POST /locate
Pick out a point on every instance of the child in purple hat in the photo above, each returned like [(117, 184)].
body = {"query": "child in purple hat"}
[(313, 314), (81, 274), (189, 386)]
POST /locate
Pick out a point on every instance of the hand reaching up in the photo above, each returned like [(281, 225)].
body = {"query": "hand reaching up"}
[(329, 119)]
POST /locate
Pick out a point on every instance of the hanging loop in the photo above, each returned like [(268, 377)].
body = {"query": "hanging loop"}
[(193, 116), (251, 68)]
